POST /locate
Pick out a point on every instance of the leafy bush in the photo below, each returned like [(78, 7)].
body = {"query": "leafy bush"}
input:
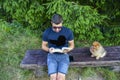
[(84, 17), (112, 35), (29, 13), (81, 19)]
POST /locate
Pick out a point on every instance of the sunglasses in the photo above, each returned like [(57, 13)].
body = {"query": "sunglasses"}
[(54, 27)]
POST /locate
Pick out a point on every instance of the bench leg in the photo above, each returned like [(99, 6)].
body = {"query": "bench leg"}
[(39, 72), (116, 68)]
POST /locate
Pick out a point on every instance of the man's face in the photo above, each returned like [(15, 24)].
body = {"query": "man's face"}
[(56, 27)]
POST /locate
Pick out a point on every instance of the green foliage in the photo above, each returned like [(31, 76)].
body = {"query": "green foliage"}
[(86, 18), (103, 72), (107, 74), (86, 72), (34, 15), (81, 19), (112, 33), (14, 41), (29, 13), (111, 7)]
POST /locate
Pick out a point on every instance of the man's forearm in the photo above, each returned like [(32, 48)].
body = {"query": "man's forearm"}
[(71, 48), (45, 48), (71, 45)]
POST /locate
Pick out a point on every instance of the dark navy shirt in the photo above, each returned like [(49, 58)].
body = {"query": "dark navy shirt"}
[(57, 39)]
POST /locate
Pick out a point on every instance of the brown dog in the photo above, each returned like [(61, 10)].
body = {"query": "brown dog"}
[(97, 50)]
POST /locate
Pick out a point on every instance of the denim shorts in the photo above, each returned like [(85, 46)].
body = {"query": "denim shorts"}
[(57, 63)]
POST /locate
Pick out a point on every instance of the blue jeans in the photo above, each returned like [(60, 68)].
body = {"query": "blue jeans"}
[(57, 63)]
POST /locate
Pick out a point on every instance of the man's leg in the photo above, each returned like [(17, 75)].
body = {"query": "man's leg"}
[(60, 76), (53, 76), (63, 66), (52, 66)]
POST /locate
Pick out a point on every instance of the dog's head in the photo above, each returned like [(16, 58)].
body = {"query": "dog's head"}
[(96, 45)]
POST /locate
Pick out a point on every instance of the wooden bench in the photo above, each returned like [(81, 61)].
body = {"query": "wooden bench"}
[(36, 59)]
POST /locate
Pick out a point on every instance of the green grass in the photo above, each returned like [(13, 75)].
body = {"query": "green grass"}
[(14, 41), (107, 74)]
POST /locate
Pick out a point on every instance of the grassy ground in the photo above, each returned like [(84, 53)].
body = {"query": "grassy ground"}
[(14, 41)]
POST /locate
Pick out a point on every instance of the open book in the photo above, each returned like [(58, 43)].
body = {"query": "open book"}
[(61, 50)]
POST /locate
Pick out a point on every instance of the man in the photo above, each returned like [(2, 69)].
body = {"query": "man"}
[(58, 37)]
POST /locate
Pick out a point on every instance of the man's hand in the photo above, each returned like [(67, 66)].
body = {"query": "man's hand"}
[(65, 51), (51, 50)]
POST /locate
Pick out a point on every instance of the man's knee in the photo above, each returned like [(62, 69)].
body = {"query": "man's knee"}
[(53, 76), (60, 76)]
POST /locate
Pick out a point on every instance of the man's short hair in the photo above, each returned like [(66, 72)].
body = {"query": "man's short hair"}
[(57, 19)]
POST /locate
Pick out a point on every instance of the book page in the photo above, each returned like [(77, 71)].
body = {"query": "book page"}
[(61, 50), (57, 50), (66, 48)]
